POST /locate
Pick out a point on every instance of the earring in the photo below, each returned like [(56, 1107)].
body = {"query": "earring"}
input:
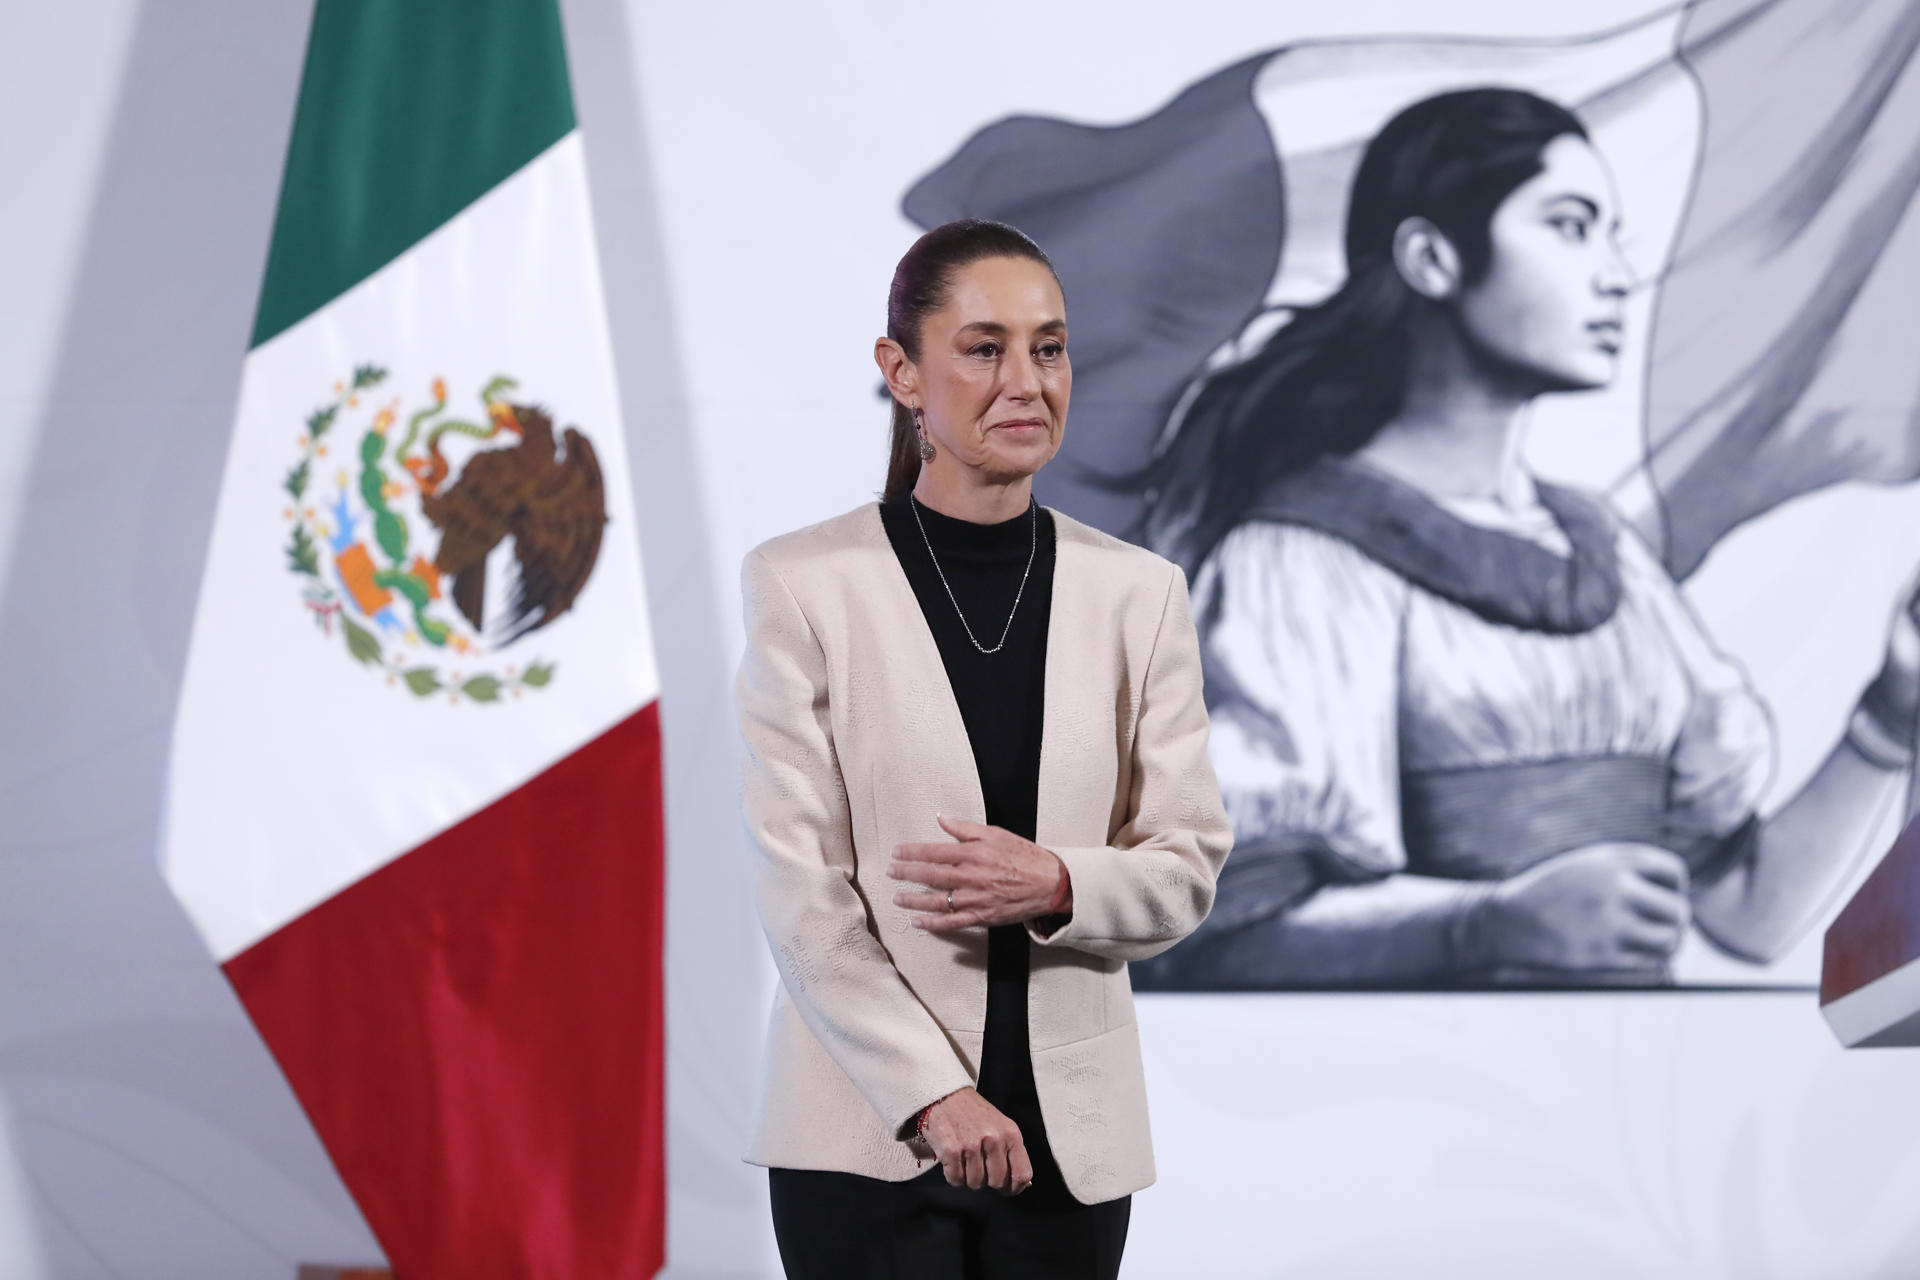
[(926, 445)]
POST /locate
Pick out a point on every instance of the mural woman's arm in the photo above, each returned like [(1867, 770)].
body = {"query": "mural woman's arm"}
[(1602, 909), (1811, 847), (1404, 929)]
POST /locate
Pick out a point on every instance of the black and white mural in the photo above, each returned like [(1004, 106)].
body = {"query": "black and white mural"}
[(1442, 367)]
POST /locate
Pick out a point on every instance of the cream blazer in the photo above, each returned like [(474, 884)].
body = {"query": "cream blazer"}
[(854, 742)]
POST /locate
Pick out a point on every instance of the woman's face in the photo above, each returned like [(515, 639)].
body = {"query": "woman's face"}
[(1551, 305), (993, 376)]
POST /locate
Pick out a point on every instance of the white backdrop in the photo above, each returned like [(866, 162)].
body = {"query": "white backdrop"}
[(748, 161)]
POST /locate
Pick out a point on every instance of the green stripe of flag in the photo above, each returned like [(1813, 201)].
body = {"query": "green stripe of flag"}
[(409, 111)]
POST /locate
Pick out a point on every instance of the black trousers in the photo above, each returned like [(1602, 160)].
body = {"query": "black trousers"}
[(841, 1226)]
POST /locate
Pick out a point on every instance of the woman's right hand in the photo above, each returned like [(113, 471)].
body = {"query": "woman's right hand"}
[(1605, 906), (978, 1146)]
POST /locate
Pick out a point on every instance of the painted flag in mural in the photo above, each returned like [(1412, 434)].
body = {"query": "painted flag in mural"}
[(415, 800), (1766, 152), (1782, 358)]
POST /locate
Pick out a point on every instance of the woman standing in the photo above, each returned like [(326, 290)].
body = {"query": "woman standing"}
[(978, 785), (1468, 730)]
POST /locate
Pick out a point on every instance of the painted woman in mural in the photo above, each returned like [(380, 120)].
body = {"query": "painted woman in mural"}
[(1467, 728)]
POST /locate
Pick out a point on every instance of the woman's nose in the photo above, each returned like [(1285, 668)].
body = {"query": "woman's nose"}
[(1022, 376), (1615, 278)]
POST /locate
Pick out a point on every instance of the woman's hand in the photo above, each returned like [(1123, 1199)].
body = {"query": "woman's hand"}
[(1606, 906), (977, 1144), (996, 877)]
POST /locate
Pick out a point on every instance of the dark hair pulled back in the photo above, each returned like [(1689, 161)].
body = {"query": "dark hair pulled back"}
[(1336, 373), (921, 285)]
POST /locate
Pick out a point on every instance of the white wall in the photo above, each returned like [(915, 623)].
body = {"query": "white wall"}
[(145, 1130)]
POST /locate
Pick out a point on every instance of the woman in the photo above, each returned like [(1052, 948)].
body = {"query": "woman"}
[(978, 785), (1467, 728)]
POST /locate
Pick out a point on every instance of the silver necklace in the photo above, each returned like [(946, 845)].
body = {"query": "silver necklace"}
[(1033, 510)]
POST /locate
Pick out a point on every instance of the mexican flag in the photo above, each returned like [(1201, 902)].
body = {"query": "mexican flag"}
[(415, 795)]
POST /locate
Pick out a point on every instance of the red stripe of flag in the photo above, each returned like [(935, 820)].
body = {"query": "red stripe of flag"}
[(476, 1029)]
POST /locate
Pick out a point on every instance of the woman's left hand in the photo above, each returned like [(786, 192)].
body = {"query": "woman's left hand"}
[(995, 876)]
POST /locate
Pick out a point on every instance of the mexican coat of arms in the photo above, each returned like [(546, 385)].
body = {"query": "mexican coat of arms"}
[(438, 541)]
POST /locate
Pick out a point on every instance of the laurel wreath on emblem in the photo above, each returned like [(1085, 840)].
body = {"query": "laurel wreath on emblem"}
[(422, 616)]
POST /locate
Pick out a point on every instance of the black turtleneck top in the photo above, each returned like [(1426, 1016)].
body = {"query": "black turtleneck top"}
[(1001, 696)]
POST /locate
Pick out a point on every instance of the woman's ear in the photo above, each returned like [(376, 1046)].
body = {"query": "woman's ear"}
[(903, 379), (1426, 259)]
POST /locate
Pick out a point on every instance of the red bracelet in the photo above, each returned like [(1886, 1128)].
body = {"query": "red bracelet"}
[(920, 1122), (1062, 893)]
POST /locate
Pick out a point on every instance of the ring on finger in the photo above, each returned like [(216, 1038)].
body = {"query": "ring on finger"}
[(949, 899)]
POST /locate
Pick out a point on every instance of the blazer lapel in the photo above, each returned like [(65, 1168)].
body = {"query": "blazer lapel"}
[(1070, 667), (923, 657)]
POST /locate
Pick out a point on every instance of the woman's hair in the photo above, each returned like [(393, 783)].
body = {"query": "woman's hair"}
[(1327, 381), (921, 284)]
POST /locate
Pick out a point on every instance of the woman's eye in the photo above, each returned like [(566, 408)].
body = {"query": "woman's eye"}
[(986, 350), (1574, 229), (1052, 351)]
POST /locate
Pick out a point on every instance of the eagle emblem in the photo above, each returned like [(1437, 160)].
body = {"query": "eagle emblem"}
[(439, 541)]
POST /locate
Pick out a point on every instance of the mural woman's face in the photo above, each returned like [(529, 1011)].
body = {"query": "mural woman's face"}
[(993, 374), (1551, 304)]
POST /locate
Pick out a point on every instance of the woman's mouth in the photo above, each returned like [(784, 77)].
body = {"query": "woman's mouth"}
[(1607, 335), (1020, 424)]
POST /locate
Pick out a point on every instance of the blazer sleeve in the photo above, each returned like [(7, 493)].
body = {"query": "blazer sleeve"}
[(1155, 883), (839, 977)]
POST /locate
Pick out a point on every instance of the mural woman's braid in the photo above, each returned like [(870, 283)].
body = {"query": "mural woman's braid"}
[(920, 287)]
